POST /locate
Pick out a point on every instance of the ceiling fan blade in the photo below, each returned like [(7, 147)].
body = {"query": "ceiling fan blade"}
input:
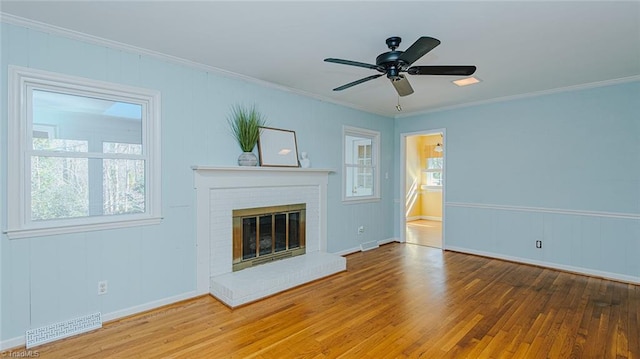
[(442, 70), (353, 63), (357, 82), (419, 49), (402, 85)]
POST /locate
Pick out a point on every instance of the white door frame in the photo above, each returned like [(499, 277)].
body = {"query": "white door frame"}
[(403, 173)]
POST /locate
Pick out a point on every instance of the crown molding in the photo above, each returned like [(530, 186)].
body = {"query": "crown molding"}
[(76, 35), (584, 86), (80, 36)]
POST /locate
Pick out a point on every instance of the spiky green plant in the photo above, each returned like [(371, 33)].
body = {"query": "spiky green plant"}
[(245, 126)]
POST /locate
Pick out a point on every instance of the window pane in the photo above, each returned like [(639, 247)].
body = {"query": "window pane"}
[(360, 181), (434, 178), (435, 163), (54, 144), (123, 186), (61, 122), (59, 188), (126, 148), (357, 149)]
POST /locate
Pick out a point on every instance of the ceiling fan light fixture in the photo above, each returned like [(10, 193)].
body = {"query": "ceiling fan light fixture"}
[(466, 81), (393, 63), (438, 148)]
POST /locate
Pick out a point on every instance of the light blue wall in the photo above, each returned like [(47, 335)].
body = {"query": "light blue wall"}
[(577, 151), (54, 278), (571, 158)]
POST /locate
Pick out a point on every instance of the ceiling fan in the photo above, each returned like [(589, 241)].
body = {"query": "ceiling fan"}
[(394, 62)]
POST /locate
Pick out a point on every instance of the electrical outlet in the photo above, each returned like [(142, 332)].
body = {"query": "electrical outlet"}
[(538, 244), (360, 229), (102, 287)]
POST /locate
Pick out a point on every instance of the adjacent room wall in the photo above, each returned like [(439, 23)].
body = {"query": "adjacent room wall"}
[(413, 178), (563, 168), (421, 203), (50, 279)]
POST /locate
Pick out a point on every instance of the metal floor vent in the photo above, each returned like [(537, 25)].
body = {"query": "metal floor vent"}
[(367, 246), (61, 330)]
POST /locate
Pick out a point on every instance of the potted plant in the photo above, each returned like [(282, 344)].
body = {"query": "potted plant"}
[(245, 126)]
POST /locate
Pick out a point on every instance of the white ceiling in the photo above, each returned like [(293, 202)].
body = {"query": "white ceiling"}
[(518, 47)]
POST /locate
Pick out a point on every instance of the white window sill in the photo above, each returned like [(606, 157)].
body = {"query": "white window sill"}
[(360, 200), (50, 231)]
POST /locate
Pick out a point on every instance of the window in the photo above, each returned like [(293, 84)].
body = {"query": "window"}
[(83, 154), (361, 164), (434, 163), (434, 172)]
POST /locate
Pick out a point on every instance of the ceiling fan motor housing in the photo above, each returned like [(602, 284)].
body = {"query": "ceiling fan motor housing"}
[(390, 64)]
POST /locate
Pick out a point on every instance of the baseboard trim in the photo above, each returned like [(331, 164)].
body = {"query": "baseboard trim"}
[(388, 240), (13, 343), (148, 306), (21, 340), (346, 252), (367, 246), (565, 268)]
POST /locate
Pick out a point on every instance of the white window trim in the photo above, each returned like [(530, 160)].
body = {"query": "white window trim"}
[(18, 198), (432, 188), (375, 161)]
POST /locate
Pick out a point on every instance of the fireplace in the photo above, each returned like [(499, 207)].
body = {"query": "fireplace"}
[(222, 190), (266, 234)]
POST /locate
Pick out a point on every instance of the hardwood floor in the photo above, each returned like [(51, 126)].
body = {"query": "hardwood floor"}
[(424, 233), (397, 301)]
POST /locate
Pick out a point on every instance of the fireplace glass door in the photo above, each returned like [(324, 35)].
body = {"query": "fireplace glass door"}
[(268, 233)]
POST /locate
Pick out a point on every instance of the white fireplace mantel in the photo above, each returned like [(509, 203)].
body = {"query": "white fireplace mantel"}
[(223, 177), (212, 185)]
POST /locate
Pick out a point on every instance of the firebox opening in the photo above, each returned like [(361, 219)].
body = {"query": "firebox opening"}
[(265, 234)]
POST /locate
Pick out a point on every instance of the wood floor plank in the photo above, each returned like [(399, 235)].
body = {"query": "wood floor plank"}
[(397, 301)]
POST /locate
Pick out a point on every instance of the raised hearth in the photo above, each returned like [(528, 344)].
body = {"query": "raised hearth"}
[(251, 284), (220, 191)]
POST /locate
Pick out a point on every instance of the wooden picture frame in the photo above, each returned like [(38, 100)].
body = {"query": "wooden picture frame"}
[(278, 148)]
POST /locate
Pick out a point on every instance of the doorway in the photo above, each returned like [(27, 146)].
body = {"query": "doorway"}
[(423, 168)]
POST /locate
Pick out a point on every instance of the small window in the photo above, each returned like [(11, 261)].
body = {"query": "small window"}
[(83, 154), (433, 176), (361, 164), (434, 172)]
